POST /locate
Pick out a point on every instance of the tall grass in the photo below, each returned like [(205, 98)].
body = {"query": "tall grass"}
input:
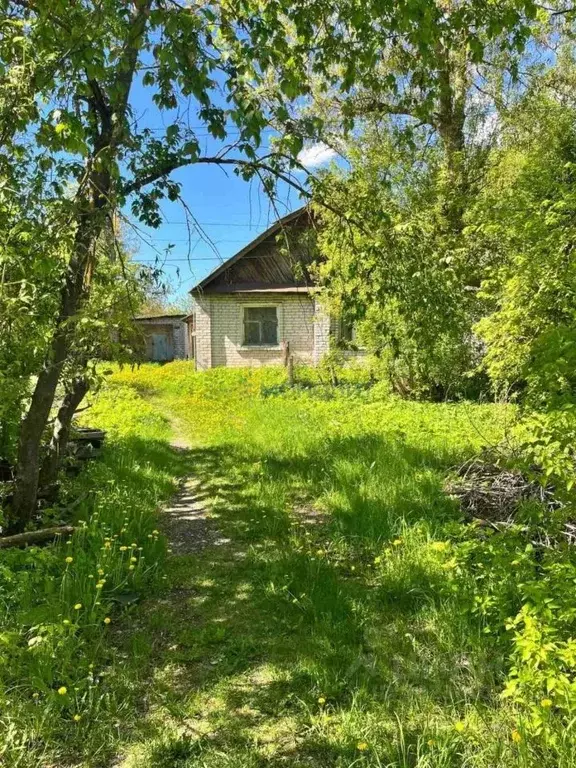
[(344, 613), (60, 680), (349, 640)]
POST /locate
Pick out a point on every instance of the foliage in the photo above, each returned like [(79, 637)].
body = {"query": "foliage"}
[(398, 272), (526, 217)]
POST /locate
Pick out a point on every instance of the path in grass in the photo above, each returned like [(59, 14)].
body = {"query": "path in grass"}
[(307, 622)]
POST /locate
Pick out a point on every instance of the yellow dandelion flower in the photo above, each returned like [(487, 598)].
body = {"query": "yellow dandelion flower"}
[(377, 560), (62, 690), (439, 546), (100, 572), (459, 726), (431, 743), (546, 703), (397, 542), (77, 606), (107, 620), (77, 718), (321, 701), (362, 746), (516, 737), (107, 545), (69, 559)]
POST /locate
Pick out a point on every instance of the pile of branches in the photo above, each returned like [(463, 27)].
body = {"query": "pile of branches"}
[(490, 493)]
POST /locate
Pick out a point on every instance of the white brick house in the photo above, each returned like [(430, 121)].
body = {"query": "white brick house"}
[(259, 306)]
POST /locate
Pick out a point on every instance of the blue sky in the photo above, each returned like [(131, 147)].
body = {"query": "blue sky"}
[(231, 212)]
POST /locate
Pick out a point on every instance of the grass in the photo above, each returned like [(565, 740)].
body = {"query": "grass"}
[(334, 620)]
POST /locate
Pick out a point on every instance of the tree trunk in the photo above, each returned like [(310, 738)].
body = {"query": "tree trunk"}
[(36, 419), (450, 120), (61, 433)]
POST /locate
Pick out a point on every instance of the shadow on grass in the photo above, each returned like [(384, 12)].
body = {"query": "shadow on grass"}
[(234, 657)]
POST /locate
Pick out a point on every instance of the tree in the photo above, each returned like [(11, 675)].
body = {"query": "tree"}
[(227, 64), (525, 216)]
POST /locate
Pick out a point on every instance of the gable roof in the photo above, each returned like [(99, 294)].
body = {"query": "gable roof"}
[(276, 227)]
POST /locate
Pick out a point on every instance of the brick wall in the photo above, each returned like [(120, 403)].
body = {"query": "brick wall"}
[(202, 311)]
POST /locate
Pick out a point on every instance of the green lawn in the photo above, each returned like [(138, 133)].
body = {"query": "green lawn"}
[(341, 615)]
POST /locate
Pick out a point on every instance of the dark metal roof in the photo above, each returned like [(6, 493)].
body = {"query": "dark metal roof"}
[(272, 230)]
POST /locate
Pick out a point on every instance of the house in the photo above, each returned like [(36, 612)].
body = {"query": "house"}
[(164, 336), (259, 306)]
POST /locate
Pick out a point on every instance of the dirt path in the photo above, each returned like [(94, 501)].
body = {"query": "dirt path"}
[(186, 519)]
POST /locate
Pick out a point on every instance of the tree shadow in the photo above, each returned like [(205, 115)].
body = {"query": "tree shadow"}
[(253, 631)]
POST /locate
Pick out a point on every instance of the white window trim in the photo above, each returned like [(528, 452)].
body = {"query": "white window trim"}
[(279, 316)]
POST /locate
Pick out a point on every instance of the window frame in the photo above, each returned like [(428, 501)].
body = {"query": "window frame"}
[(265, 345)]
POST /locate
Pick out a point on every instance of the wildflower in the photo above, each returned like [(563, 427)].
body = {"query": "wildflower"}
[(352, 567), (155, 532), (516, 737), (107, 620), (397, 542), (77, 606), (377, 560), (130, 567), (69, 559), (35, 695), (77, 718), (100, 572), (62, 690), (134, 545), (320, 553), (546, 703), (321, 701), (66, 621), (431, 743), (100, 585), (439, 546), (362, 746), (459, 726), (123, 549), (133, 559), (107, 545)]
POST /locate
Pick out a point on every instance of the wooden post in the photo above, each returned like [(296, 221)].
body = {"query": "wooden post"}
[(290, 371), (286, 351)]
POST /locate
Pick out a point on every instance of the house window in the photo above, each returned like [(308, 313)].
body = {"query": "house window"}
[(260, 326)]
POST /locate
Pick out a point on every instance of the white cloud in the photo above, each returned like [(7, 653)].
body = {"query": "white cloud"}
[(316, 155)]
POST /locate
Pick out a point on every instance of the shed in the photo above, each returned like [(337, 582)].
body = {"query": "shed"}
[(164, 336)]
